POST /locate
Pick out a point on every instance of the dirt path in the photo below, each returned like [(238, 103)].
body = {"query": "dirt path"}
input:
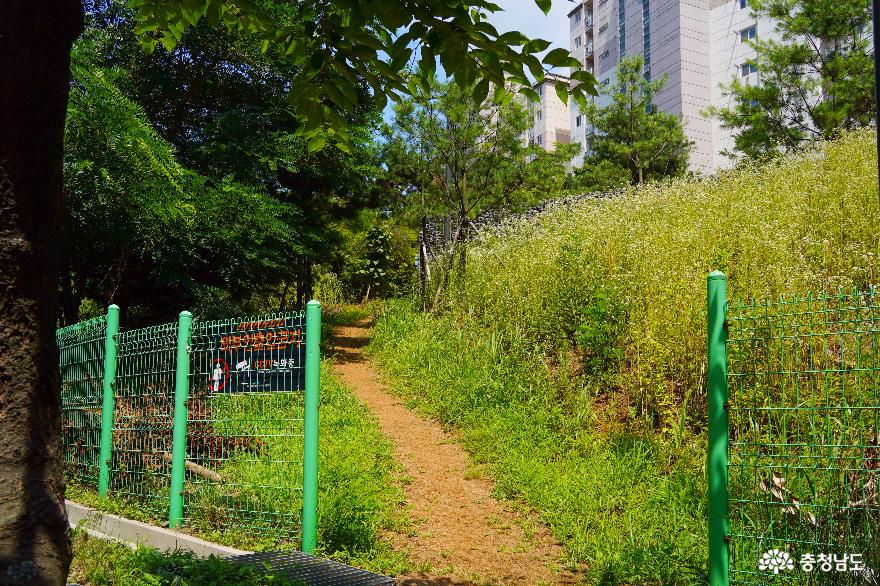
[(463, 534)]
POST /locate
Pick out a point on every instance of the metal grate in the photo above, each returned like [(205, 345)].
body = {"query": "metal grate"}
[(804, 417), (81, 360)]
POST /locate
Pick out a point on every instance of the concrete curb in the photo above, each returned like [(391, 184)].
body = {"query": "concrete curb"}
[(302, 568), (107, 526)]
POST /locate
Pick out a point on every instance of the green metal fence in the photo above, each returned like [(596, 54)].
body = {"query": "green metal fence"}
[(81, 359), (245, 446), (794, 461), (212, 425), (143, 417)]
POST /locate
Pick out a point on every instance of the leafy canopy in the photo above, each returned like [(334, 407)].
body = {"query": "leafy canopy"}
[(148, 233), (448, 154), (336, 43)]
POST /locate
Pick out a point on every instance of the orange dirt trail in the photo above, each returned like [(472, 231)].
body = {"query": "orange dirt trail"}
[(460, 532)]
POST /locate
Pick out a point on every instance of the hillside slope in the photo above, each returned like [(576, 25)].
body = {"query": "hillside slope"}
[(570, 352)]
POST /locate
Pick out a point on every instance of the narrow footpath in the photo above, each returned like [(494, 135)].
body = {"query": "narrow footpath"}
[(461, 532)]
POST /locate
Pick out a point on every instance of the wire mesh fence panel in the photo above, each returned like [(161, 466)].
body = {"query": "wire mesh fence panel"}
[(804, 456), (81, 361), (140, 467), (244, 465)]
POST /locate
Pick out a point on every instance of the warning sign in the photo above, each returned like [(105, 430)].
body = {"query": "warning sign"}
[(258, 356)]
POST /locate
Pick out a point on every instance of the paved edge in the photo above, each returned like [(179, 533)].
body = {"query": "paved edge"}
[(106, 525), (302, 568)]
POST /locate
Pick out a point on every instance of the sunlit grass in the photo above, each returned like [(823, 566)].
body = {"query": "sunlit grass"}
[(570, 352), (359, 494)]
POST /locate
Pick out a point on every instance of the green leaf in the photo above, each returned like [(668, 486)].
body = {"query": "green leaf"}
[(560, 58), (317, 143), (536, 46), (530, 94), (481, 91), (562, 91), (513, 38), (544, 5)]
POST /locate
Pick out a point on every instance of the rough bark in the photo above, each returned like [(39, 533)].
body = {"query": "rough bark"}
[(35, 41)]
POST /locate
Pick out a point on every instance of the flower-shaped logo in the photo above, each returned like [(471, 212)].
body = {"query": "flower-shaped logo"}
[(775, 560)]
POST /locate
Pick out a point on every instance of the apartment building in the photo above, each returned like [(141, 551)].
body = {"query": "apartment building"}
[(696, 44), (550, 116)]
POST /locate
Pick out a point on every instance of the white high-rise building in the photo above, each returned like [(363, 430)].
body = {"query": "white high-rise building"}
[(696, 44), (549, 116)]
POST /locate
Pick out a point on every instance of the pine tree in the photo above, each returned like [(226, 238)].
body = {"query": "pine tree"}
[(632, 142), (815, 82)]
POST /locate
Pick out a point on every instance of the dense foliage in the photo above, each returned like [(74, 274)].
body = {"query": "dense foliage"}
[(815, 82), (188, 186), (334, 43), (632, 141), (449, 152)]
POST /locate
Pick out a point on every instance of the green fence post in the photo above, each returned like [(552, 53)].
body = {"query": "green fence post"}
[(310, 425), (106, 444), (178, 446), (716, 460)]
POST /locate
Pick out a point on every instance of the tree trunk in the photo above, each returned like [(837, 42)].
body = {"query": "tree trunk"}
[(35, 41), (282, 305)]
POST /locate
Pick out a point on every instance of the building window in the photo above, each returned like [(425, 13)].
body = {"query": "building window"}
[(747, 34), (621, 26), (577, 42), (540, 90), (743, 3), (603, 28), (604, 54), (577, 16), (540, 139), (539, 115), (748, 68), (577, 121)]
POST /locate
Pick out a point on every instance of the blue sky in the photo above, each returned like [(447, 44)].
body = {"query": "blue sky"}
[(526, 17)]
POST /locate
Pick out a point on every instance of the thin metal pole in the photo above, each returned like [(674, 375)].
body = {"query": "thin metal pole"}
[(106, 444), (178, 445), (310, 427), (716, 461), (875, 6)]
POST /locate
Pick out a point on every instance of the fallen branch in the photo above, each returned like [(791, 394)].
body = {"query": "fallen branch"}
[(198, 469)]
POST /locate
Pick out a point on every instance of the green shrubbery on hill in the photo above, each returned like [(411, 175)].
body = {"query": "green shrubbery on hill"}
[(570, 352), (623, 280)]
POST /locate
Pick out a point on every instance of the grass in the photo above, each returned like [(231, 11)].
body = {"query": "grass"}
[(359, 490), (570, 352), (627, 507), (105, 563)]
